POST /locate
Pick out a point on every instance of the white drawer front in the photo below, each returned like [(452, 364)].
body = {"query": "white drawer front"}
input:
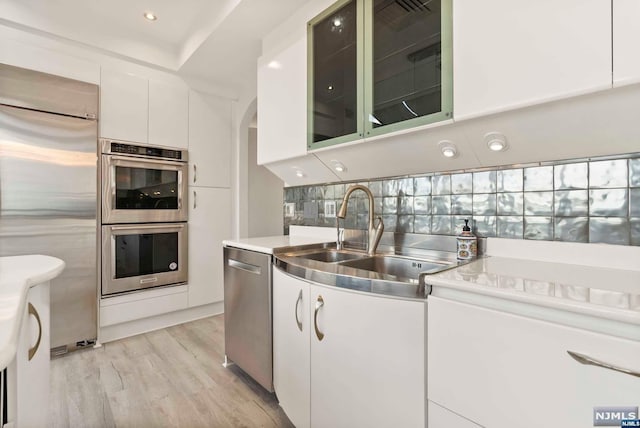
[(503, 370)]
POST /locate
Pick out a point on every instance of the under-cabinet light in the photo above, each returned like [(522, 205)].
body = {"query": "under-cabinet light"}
[(496, 142), (448, 149), (338, 166)]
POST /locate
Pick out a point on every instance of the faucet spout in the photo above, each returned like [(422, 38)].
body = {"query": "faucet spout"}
[(375, 231)]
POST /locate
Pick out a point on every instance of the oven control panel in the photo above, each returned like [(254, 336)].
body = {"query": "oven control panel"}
[(125, 148), (155, 152)]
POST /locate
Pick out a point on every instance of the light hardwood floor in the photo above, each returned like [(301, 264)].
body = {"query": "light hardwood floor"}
[(166, 378)]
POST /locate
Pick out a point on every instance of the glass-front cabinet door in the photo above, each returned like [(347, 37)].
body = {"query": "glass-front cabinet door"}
[(335, 64), (395, 61), (408, 58)]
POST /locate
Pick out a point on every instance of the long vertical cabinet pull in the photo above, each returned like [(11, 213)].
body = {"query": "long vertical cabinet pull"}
[(298, 322), (194, 200), (319, 304), (32, 351), (195, 173)]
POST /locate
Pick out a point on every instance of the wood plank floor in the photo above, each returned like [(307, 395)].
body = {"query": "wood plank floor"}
[(167, 378)]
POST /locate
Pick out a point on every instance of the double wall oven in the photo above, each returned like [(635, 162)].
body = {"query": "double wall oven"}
[(144, 216)]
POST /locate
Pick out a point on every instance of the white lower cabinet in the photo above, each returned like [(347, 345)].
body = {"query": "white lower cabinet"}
[(291, 347), (28, 374), (503, 370), (357, 359), (209, 225), (439, 417)]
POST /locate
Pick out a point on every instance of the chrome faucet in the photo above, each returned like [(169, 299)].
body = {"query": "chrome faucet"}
[(375, 232)]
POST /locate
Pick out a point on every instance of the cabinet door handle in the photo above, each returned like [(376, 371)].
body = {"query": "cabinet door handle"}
[(32, 351), (195, 173), (584, 359), (298, 303), (319, 304), (194, 200)]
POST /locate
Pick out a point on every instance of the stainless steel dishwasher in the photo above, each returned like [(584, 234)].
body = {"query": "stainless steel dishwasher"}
[(247, 313)]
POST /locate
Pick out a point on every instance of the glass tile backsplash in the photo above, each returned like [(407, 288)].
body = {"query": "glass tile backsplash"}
[(582, 201)]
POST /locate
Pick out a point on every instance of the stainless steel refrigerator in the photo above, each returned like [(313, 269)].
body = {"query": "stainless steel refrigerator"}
[(48, 190)]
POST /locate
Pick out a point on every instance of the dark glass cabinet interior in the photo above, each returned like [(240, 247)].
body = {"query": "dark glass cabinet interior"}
[(378, 66), (407, 53), (335, 77)]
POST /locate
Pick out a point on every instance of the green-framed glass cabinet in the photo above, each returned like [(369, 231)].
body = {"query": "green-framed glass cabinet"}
[(378, 66)]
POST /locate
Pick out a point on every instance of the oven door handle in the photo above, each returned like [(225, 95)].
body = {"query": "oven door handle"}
[(147, 227)]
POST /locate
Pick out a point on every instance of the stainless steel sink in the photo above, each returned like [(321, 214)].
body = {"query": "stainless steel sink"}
[(400, 267), (402, 275), (332, 256)]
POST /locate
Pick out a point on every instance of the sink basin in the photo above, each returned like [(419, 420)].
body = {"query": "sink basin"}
[(388, 274), (397, 266), (332, 256)]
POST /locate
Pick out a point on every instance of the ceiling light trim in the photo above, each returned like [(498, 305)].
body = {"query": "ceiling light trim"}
[(449, 149), (496, 142)]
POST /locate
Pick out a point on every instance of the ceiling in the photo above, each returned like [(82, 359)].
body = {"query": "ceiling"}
[(212, 41)]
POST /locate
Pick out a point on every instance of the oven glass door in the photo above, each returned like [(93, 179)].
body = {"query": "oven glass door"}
[(141, 191), (137, 257)]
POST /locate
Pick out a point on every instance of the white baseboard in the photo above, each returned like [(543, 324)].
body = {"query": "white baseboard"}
[(132, 328)]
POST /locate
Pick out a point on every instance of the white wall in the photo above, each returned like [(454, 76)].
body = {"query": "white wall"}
[(265, 195)]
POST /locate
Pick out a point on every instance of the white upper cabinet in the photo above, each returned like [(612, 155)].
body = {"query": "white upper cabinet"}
[(124, 106), (282, 104), (168, 114), (134, 108), (626, 33), (509, 54), (414, 153), (302, 170), (209, 140)]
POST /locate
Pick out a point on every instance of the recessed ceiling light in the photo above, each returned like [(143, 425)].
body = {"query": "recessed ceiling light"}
[(150, 16), (338, 166), (496, 145), (448, 149), (496, 142)]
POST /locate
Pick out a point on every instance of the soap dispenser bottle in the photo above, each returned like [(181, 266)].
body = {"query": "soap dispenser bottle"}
[(467, 243)]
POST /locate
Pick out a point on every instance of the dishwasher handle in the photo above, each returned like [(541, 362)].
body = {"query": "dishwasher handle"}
[(236, 264)]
